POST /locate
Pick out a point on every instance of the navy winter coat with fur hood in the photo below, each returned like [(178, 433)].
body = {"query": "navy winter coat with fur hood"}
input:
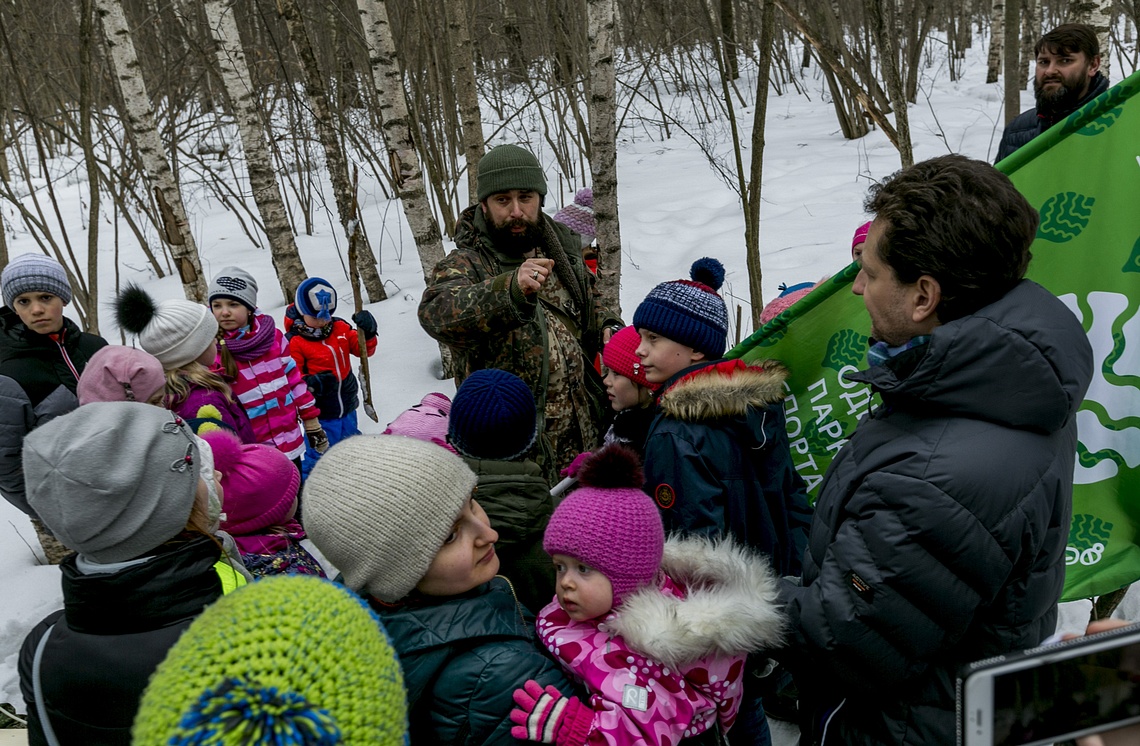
[(940, 529), (717, 460)]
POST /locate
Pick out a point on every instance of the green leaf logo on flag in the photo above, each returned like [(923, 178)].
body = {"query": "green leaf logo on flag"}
[(846, 347), (1133, 263), (1088, 539), (1064, 216)]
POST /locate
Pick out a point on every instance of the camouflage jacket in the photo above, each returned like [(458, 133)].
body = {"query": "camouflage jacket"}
[(474, 306)]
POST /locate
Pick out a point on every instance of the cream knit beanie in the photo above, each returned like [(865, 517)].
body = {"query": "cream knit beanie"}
[(379, 507)]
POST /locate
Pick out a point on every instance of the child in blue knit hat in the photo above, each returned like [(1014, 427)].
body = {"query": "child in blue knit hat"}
[(717, 459), (493, 425), (322, 345)]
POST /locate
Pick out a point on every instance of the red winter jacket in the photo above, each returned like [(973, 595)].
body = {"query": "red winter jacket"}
[(326, 365)]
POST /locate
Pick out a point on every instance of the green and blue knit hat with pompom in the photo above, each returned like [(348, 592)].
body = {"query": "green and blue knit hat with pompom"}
[(289, 661)]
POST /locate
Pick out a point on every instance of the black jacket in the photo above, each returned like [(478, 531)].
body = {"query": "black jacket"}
[(113, 632), (1029, 124), (717, 460), (940, 529), (462, 659), (36, 385)]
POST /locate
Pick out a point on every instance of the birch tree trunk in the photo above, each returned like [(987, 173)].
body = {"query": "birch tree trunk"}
[(881, 15), (1098, 14), (756, 171), (141, 121), (1011, 52), (251, 128), (603, 134), (335, 158), (470, 118), (997, 32), (409, 177), (1030, 32)]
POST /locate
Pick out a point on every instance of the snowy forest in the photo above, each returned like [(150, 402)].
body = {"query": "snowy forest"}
[(145, 109)]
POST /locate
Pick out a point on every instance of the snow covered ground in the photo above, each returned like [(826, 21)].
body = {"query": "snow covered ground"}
[(674, 209)]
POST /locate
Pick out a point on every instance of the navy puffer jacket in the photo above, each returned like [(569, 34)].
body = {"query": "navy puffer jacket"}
[(1028, 124), (940, 530)]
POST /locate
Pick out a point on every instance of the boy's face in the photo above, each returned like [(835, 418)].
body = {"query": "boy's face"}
[(231, 314), (467, 558), (662, 357), (313, 322), (41, 312), (583, 592)]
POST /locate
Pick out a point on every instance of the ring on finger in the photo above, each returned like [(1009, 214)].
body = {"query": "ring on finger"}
[(535, 274)]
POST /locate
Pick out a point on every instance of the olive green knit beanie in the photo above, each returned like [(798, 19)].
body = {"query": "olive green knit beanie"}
[(509, 167), (291, 659)]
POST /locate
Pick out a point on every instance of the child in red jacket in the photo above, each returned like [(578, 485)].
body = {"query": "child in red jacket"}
[(321, 344)]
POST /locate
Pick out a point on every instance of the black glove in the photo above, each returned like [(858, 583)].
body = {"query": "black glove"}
[(320, 383), (366, 322)]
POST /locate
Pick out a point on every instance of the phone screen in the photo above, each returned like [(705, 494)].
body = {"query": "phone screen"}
[(1065, 698)]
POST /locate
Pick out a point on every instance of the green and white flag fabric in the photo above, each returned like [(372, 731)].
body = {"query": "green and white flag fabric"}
[(1083, 175)]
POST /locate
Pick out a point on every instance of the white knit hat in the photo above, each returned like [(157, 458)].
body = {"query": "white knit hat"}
[(174, 331), (379, 507)]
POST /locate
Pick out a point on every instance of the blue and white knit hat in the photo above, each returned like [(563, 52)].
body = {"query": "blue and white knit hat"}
[(34, 273), (493, 416), (289, 659), (316, 297), (236, 284), (689, 311)]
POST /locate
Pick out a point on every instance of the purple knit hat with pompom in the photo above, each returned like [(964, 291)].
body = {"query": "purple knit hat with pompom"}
[(609, 523), (579, 214), (689, 311)]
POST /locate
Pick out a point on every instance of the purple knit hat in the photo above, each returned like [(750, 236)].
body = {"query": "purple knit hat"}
[(861, 234), (609, 523), (579, 215)]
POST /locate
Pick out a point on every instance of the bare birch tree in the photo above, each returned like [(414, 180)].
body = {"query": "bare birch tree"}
[(756, 170), (335, 159), (463, 68), (1012, 53), (997, 32), (252, 130), (603, 135), (141, 118), (86, 106), (406, 171), (1098, 14)]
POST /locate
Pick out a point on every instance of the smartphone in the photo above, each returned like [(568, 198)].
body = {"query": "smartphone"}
[(1052, 693)]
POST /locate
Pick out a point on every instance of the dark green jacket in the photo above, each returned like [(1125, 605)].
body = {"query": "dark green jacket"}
[(462, 658)]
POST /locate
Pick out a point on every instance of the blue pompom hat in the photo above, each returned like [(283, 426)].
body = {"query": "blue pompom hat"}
[(316, 297), (493, 416), (689, 311)]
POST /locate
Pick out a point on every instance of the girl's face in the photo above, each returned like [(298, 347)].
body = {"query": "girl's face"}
[(208, 356), (623, 392), (231, 314), (583, 592), (466, 559)]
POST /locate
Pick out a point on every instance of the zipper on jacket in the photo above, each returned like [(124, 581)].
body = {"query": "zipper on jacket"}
[(58, 339)]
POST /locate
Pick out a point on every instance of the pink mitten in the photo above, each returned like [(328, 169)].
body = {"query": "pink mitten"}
[(576, 465), (546, 716)]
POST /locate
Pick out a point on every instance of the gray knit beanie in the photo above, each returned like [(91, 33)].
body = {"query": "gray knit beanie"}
[(29, 273), (237, 284), (113, 480), (379, 507), (509, 167)]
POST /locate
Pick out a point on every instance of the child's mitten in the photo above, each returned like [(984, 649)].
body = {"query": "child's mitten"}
[(546, 716), (317, 438), (366, 322)]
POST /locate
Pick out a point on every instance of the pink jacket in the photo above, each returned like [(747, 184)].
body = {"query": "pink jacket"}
[(658, 671), (273, 394)]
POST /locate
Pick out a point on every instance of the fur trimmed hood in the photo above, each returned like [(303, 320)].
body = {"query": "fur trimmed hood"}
[(724, 389), (730, 607)]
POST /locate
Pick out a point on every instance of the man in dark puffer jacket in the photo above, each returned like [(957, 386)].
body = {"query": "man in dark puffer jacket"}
[(939, 534), (1066, 77)]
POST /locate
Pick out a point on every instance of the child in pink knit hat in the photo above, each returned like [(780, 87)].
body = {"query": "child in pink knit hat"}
[(259, 504), (424, 421), (656, 629), (630, 393)]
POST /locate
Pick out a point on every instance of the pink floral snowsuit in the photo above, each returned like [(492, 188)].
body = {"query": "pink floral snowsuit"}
[(636, 699)]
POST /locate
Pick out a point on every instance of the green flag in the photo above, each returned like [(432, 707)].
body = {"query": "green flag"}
[(1083, 176)]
